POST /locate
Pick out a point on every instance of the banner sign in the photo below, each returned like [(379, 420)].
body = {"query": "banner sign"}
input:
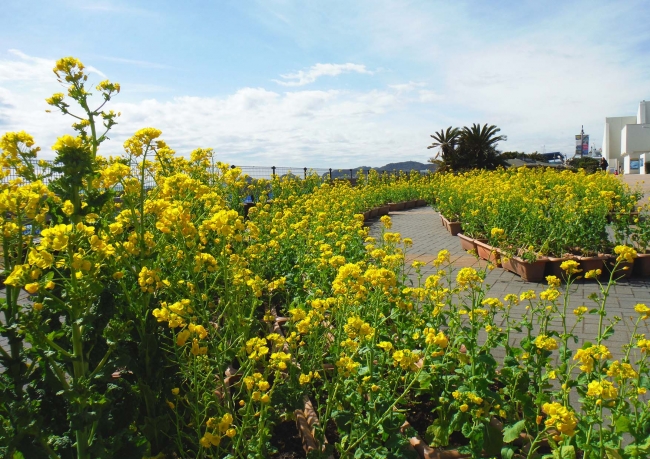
[(582, 144)]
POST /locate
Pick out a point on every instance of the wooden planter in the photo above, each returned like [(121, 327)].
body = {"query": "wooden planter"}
[(530, 272), (487, 252), (466, 242), (421, 203), (409, 204), (443, 221), (396, 206), (642, 265)]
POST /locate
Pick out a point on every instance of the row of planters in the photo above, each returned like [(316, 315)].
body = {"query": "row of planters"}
[(155, 326), (535, 219), (537, 270), (392, 207)]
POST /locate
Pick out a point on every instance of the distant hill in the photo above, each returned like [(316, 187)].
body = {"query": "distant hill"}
[(405, 166)]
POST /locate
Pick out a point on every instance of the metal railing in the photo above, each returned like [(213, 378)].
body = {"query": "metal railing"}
[(254, 172), (261, 172)]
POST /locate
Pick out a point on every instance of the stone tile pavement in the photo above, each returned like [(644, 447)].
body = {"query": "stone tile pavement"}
[(429, 237)]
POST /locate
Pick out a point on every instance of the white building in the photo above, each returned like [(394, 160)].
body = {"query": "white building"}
[(626, 141)]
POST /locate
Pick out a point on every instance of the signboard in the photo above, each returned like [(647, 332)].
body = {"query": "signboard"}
[(582, 144)]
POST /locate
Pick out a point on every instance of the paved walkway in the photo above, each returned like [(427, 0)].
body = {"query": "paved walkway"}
[(429, 237), (642, 182)]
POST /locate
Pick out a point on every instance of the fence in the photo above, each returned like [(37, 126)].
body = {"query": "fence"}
[(254, 172), (260, 172)]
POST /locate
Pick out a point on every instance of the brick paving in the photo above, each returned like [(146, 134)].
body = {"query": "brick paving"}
[(429, 237)]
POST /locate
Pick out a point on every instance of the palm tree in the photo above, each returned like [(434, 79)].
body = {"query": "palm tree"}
[(479, 145), (469, 148), (446, 142)]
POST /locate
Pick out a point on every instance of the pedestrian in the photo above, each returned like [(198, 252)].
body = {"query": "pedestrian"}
[(603, 164)]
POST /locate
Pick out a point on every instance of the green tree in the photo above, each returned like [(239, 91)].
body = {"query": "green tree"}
[(447, 142), (468, 148)]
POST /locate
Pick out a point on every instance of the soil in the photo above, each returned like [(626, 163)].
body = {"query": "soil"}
[(332, 434), (420, 414), (286, 440)]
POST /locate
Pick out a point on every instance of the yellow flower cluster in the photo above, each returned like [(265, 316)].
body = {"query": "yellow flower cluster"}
[(560, 418), (602, 390), (468, 278), (173, 313), (431, 337), (219, 429), (346, 366), (406, 359), (357, 328), (625, 253), (588, 356), (545, 342)]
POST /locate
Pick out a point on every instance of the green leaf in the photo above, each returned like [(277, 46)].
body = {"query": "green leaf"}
[(493, 440), (507, 452), (612, 453), (512, 432), (622, 424), (565, 452), (638, 449), (437, 434), (425, 380)]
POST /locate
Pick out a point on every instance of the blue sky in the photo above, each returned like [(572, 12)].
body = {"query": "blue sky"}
[(331, 83)]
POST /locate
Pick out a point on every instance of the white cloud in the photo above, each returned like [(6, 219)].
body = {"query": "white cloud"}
[(537, 70), (427, 95), (252, 126), (406, 87), (304, 77)]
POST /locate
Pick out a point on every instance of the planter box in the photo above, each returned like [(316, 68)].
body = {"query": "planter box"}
[(530, 272), (421, 203), (454, 228), (621, 271), (396, 206), (466, 243), (553, 267), (589, 263), (642, 265), (383, 210), (506, 262), (409, 204), (373, 212), (487, 252)]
